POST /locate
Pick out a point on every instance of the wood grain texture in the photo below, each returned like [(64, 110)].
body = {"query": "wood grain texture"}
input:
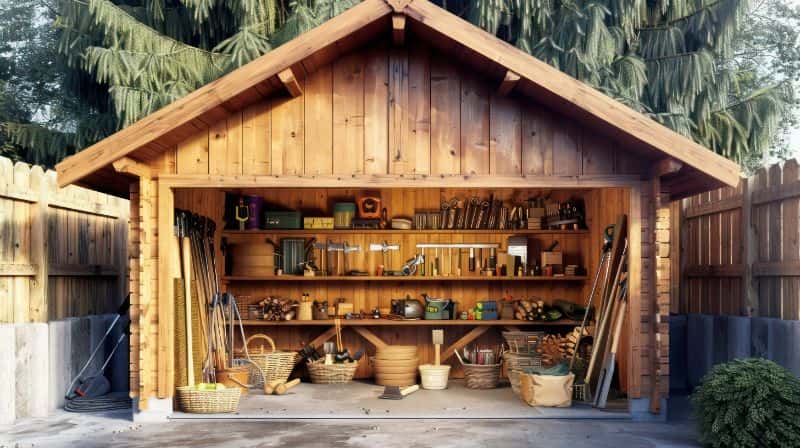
[(319, 122), (377, 103), (256, 139), (445, 118), (474, 126), (348, 115), (288, 136), (505, 144)]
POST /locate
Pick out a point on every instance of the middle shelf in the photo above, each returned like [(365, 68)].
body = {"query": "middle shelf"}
[(372, 278)]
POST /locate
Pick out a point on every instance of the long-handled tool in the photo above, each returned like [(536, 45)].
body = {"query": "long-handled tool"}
[(395, 393), (96, 384), (607, 371), (438, 340)]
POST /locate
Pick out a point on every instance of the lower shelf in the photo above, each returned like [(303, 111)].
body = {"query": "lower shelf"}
[(398, 323)]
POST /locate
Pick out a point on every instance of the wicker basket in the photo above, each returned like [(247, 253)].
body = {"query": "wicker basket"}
[(208, 401), (516, 363), (274, 364), (331, 373), (481, 376), (523, 342)]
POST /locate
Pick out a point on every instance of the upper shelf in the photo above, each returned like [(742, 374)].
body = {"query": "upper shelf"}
[(413, 278), (261, 233)]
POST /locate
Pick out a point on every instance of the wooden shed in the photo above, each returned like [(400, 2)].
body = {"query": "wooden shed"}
[(403, 99)]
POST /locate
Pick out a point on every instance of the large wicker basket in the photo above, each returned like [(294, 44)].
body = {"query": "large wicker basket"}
[(332, 373), (274, 364), (208, 401), (517, 363), (480, 376), (523, 342)]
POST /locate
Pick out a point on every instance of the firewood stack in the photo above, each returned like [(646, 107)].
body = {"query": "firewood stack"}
[(276, 308)]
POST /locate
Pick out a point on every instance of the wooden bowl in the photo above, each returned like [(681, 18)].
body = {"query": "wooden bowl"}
[(378, 362), (397, 351), (405, 370)]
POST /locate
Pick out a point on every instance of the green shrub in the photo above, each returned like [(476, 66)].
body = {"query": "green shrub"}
[(748, 403)]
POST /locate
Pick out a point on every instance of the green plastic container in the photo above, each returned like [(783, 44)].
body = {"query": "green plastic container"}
[(282, 220), (343, 214)]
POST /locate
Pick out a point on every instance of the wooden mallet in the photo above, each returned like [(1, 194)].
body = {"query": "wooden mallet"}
[(282, 388)]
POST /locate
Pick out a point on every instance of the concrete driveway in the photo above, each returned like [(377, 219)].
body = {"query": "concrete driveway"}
[(71, 430)]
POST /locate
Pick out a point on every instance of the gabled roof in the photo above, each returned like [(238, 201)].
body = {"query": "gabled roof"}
[(146, 139)]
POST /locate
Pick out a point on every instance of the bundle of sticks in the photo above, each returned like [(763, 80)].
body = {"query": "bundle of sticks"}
[(198, 269)]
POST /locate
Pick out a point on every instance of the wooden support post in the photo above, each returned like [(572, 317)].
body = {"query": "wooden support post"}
[(749, 300), (635, 297), (509, 82), (166, 304), (473, 334), (289, 81), (398, 28), (371, 337), (38, 307)]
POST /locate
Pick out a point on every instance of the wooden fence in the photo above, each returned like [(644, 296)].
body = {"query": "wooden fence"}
[(63, 252), (739, 248)]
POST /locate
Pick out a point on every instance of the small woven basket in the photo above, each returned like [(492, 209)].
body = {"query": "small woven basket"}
[(331, 373), (480, 376), (208, 401), (523, 342), (274, 365)]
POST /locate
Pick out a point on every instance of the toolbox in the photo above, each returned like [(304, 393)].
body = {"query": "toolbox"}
[(486, 310), (281, 220), (324, 222)]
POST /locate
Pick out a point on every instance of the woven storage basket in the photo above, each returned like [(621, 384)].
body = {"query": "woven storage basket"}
[(480, 376), (332, 373), (516, 363), (208, 401), (523, 342), (275, 364)]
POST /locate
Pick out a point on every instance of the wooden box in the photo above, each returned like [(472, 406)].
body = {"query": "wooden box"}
[(251, 260), (552, 258)]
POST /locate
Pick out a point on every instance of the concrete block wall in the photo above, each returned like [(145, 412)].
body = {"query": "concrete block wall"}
[(698, 342), (39, 360)]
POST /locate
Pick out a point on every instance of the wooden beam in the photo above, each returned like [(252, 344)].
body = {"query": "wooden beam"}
[(398, 5), (18, 270), (665, 167), (83, 270), (509, 82), (399, 181), (776, 269), (473, 334), (398, 28), (290, 82), (371, 337), (165, 300), (129, 165)]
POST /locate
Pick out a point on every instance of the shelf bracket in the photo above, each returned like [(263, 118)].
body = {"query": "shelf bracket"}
[(289, 81), (473, 334), (371, 337)]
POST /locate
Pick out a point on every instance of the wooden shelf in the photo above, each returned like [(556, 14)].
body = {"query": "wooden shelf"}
[(421, 322), (263, 233), (372, 278)]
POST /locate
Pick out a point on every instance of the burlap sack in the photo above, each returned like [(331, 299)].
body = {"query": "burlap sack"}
[(547, 390)]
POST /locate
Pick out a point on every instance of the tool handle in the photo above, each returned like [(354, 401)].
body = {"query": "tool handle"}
[(283, 388), (409, 390), (269, 387)]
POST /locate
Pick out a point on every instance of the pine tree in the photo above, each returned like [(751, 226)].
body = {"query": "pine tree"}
[(124, 59)]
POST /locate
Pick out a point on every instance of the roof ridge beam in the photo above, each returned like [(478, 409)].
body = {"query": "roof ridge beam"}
[(289, 81), (398, 28), (398, 5)]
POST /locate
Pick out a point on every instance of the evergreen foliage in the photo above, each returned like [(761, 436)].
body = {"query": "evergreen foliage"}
[(748, 403)]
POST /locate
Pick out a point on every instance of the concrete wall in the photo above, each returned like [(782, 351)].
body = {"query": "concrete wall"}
[(40, 359), (699, 341)]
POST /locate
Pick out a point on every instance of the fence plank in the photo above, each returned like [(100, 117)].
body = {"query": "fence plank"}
[(791, 246), (43, 228)]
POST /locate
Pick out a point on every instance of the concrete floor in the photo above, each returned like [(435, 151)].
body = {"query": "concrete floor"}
[(89, 431), (357, 400)]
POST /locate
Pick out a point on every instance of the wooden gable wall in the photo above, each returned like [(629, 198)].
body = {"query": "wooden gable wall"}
[(403, 111)]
